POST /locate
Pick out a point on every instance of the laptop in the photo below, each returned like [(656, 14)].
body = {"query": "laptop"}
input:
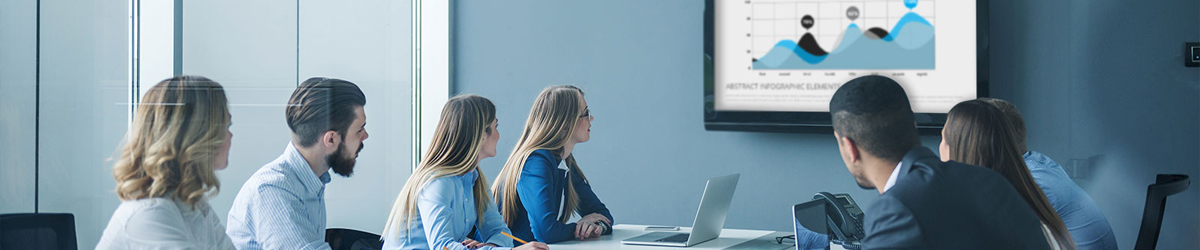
[(811, 229), (710, 217)]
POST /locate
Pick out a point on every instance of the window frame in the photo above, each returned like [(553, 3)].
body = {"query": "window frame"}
[(156, 52)]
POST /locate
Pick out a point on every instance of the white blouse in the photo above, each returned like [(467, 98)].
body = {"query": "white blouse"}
[(164, 223)]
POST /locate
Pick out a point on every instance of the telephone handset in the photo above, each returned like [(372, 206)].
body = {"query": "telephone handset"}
[(844, 217)]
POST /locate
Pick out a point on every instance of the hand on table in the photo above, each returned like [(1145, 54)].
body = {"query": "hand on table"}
[(589, 226), (472, 244)]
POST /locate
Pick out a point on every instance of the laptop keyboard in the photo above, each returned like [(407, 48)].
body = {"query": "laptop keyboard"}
[(675, 238)]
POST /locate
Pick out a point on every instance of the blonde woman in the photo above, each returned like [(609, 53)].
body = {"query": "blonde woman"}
[(541, 186), (446, 199), (165, 171)]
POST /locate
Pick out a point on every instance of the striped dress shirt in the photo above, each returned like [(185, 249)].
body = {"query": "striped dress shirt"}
[(282, 206)]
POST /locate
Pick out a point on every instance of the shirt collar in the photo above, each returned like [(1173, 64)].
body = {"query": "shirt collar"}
[(563, 165), (469, 178), (295, 162), (891, 181)]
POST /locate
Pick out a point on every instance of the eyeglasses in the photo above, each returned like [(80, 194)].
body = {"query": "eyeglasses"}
[(587, 113)]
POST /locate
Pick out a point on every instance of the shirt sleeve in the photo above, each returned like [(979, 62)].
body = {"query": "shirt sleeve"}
[(277, 224), (434, 205), (491, 226), (159, 227), (219, 239), (540, 197), (588, 202)]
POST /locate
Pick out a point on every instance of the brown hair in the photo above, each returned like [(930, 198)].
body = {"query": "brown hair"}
[(551, 123), (320, 105), (980, 134), (171, 145), (1018, 122)]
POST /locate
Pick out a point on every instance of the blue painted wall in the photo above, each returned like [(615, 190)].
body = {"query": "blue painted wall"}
[(1094, 78), (1105, 80)]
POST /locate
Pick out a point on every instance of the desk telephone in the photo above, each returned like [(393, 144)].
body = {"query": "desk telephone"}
[(845, 219)]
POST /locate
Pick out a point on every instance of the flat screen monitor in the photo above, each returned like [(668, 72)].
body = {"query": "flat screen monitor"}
[(773, 65)]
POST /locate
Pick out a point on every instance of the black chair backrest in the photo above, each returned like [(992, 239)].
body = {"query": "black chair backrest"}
[(350, 239), (37, 231), (1156, 201)]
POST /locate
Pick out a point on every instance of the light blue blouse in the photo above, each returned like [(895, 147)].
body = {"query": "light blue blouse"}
[(447, 215), (1088, 225)]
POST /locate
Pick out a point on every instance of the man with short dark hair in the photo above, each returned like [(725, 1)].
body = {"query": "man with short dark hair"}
[(924, 203), (1089, 228), (282, 206)]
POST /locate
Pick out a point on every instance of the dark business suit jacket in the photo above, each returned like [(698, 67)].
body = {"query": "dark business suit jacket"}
[(950, 205)]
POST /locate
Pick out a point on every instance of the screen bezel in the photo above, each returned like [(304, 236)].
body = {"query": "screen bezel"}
[(822, 122), (824, 226)]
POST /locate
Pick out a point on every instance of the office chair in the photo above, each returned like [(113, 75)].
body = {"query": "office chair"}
[(1156, 200), (37, 231), (350, 239)]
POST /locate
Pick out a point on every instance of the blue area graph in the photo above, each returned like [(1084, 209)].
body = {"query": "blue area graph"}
[(909, 44)]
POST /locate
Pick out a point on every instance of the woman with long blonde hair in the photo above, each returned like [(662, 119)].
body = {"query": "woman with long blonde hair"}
[(979, 133), (541, 185), (445, 198), (166, 169)]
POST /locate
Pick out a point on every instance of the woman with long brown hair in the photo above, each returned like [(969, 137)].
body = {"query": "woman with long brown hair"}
[(541, 185), (446, 198), (978, 133), (166, 169)]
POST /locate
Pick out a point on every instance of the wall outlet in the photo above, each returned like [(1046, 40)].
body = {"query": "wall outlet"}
[(1191, 54), (1082, 169), (1078, 168)]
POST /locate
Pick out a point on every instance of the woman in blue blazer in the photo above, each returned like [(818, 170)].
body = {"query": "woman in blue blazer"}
[(541, 185)]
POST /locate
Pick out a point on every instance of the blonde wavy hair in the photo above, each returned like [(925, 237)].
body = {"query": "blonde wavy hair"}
[(173, 142), (550, 124), (465, 123)]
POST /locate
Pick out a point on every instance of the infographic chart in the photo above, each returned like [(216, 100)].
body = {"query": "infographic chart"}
[(792, 55), (870, 38)]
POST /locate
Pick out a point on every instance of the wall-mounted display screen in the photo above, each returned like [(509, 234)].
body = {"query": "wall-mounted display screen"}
[(784, 59)]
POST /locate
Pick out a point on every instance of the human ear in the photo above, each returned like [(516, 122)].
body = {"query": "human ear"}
[(331, 139), (852, 150)]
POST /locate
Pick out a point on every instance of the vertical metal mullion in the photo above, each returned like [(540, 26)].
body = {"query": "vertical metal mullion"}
[(297, 43), (416, 83), (177, 56), (37, 104)]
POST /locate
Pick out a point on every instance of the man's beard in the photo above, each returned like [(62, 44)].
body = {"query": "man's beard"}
[(341, 163)]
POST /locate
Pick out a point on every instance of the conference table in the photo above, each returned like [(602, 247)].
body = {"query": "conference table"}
[(730, 239)]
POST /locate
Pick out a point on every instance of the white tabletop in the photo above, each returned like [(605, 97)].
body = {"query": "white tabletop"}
[(728, 238)]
